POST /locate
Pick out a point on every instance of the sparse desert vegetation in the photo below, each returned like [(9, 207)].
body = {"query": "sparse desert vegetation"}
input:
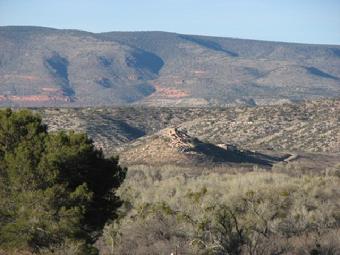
[(225, 211), (73, 68), (240, 180), (161, 141), (312, 126)]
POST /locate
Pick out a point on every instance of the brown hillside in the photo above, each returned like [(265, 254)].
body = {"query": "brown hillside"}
[(51, 67), (175, 146)]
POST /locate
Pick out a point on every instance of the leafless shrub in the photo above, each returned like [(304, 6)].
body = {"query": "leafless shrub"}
[(256, 213)]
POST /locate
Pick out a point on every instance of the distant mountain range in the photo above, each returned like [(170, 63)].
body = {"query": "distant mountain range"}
[(51, 67)]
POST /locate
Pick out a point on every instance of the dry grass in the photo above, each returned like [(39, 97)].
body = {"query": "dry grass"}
[(179, 207)]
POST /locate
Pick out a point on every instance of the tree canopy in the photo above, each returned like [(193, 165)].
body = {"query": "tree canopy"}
[(55, 188)]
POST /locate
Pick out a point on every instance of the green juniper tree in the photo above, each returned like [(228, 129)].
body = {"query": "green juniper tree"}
[(55, 188)]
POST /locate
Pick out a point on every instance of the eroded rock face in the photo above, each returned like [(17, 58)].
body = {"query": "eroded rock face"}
[(178, 139), (176, 146), (228, 147)]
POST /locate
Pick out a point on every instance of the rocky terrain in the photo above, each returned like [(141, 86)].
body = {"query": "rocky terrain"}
[(312, 126), (50, 67), (310, 130), (175, 147)]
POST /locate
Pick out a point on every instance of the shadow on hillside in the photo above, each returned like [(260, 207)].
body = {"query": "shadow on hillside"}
[(336, 52), (318, 72), (145, 60), (220, 155), (209, 44), (58, 67)]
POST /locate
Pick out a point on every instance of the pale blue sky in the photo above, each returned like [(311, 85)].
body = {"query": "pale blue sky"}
[(308, 21)]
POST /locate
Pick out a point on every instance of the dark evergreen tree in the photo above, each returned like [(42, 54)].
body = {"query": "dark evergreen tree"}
[(54, 187)]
